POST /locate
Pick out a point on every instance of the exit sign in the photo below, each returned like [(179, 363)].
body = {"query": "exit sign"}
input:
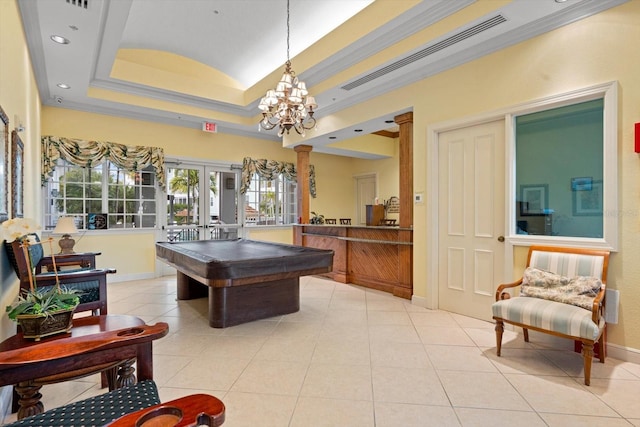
[(209, 127)]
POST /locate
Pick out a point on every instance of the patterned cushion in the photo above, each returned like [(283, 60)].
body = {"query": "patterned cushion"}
[(548, 315), (579, 291), (98, 410)]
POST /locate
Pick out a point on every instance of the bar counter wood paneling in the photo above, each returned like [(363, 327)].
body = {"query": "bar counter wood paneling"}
[(375, 257)]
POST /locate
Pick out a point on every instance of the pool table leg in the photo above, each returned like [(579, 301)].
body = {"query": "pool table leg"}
[(189, 288), (233, 305)]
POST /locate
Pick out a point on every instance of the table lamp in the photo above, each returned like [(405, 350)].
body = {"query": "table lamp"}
[(66, 226)]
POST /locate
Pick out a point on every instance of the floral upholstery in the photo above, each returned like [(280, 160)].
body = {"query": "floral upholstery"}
[(579, 291)]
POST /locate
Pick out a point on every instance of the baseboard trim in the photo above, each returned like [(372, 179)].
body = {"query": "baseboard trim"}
[(116, 278)]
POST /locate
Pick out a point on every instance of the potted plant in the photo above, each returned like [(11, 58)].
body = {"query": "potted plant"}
[(39, 312), (316, 219)]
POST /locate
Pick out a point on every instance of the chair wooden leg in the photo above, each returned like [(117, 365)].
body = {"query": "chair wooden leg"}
[(526, 334), (602, 348), (499, 331), (587, 355)]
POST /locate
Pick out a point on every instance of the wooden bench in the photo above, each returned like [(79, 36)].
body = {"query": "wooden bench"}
[(552, 304)]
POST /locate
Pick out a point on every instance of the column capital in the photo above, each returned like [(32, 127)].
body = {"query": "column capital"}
[(302, 148), (404, 118)]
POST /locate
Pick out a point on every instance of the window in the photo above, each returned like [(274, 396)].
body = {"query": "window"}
[(565, 186), (270, 202), (103, 196)]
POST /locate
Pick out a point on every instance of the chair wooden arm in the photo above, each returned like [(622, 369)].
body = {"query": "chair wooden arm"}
[(598, 305), (501, 294)]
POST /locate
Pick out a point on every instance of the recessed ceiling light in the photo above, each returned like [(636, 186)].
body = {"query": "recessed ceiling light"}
[(388, 121), (560, 1), (332, 137), (60, 39), (357, 130), (63, 86)]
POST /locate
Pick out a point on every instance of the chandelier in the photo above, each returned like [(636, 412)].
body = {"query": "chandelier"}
[(289, 105)]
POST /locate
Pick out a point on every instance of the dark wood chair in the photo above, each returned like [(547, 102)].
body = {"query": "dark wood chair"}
[(92, 282), (345, 221), (330, 221)]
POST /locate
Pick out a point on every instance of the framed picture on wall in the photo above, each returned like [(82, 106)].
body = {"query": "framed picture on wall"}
[(4, 166), (534, 199), (97, 221), (588, 203), (17, 175)]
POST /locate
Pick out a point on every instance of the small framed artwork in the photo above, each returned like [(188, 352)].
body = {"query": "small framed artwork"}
[(534, 199), (588, 203), (97, 221), (4, 166), (17, 175), (581, 184)]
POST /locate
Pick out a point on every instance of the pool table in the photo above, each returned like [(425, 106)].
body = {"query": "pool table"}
[(246, 279)]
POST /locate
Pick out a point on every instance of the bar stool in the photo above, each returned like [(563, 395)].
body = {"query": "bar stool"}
[(345, 221), (330, 221)]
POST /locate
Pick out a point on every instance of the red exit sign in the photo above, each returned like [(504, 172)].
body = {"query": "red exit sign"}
[(209, 127)]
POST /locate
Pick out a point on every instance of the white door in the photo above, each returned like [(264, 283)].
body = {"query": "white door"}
[(366, 189), (471, 218)]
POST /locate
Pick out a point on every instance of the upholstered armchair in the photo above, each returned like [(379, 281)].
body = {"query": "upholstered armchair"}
[(561, 293), (90, 281)]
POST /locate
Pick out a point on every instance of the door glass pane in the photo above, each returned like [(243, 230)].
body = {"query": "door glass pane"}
[(183, 196)]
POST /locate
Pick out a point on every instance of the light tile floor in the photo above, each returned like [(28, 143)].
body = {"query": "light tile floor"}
[(356, 357)]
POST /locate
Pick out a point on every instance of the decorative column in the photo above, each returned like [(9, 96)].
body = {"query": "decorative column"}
[(302, 178), (404, 288), (302, 170), (405, 121)]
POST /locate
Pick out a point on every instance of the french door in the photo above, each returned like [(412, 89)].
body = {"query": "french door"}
[(202, 202)]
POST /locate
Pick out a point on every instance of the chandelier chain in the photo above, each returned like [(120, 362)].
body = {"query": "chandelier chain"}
[(288, 31)]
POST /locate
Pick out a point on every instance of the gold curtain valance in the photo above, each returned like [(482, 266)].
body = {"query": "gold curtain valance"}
[(92, 153), (269, 169)]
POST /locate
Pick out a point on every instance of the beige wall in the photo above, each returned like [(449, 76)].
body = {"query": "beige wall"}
[(18, 97), (595, 50)]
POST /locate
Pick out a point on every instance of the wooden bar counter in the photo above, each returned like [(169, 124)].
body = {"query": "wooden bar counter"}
[(378, 257)]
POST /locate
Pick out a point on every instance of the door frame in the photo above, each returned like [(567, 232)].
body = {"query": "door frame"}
[(433, 136)]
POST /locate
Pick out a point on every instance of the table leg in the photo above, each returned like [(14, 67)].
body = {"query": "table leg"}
[(145, 361), (189, 288), (30, 403), (125, 374)]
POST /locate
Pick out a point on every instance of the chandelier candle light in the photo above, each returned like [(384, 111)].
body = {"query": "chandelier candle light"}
[(289, 105)]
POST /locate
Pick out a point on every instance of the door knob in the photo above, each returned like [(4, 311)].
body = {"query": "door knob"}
[(501, 239)]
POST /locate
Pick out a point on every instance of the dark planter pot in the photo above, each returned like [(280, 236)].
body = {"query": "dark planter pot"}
[(38, 325)]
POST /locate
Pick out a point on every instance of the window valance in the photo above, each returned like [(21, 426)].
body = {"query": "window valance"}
[(92, 153), (269, 169)]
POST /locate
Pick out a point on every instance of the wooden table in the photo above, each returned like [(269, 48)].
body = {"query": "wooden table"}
[(108, 343), (78, 259), (247, 280)]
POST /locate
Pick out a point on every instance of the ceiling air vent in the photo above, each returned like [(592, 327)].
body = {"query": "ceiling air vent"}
[(436, 47), (80, 3)]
